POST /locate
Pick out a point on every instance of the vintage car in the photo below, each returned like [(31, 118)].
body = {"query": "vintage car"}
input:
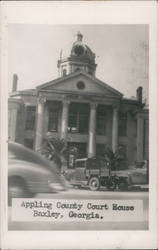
[(90, 172), (30, 173), (136, 175), (94, 173)]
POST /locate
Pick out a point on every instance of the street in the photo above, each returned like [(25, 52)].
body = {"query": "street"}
[(85, 194)]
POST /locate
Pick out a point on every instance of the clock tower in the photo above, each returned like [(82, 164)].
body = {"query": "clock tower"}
[(81, 58)]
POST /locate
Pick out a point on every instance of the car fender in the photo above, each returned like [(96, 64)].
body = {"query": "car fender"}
[(35, 178)]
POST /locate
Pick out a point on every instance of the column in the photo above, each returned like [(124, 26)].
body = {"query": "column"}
[(39, 123), (115, 129), (92, 131), (140, 136), (64, 119)]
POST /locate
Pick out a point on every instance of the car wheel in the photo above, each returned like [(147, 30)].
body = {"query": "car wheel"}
[(94, 183), (17, 189)]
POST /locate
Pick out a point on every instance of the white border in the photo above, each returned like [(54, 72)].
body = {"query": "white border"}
[(79, 12)]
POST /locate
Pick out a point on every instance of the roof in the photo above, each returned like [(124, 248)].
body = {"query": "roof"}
[(74, 74), (23, 92)]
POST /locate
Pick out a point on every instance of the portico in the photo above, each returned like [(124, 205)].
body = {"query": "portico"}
[(77, 121)]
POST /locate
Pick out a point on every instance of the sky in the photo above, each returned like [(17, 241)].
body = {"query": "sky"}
[(121, 53)]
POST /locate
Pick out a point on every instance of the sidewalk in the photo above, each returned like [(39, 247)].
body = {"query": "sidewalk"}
[(143, 187)]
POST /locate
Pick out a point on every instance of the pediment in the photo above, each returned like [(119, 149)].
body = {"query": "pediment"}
[(81, 83)]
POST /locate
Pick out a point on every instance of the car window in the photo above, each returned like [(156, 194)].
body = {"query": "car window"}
[(93, 164), (80, 164)]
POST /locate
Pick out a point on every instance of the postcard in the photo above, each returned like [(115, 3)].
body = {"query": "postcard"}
[(79, 125)]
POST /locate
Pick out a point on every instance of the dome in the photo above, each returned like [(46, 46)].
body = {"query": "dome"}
[(81, 51), (81, 58)]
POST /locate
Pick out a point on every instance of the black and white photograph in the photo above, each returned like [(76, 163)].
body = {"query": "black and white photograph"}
[(78, 135), (90, 124)]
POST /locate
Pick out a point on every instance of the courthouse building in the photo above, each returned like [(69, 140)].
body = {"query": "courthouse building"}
[(81, 109)]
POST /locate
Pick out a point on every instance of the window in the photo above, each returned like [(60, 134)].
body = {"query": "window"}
[(101, 121), (30, 118), (93, 163), (122, 130), (80, 164), (53, 120), (78, 118), (83, 120), (101, 125), (80, 85), (78, 123), (64, 72), (73, 123)]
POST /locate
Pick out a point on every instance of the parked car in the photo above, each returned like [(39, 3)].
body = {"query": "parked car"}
[(94, 173), (29, 173), (137, 175)]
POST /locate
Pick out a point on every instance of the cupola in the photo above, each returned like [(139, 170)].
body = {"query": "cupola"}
[(81, 58)]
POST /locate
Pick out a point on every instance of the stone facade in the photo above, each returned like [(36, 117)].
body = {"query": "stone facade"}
[(81, 109)]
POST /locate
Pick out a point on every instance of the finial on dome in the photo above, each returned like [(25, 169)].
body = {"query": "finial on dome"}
[(79, 36)]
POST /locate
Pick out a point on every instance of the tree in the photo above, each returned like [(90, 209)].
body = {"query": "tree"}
[(55, 149), (113, 158)]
